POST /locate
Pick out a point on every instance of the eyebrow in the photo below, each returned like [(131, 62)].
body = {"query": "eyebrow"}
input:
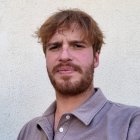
[(54, 43), (70, 42), (77, 42)]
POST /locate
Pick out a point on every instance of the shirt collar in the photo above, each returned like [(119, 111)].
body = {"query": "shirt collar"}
[(51, 109), (87, 110), (91, 107)]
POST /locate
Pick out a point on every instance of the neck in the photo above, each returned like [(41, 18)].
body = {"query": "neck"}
[(67, 104)]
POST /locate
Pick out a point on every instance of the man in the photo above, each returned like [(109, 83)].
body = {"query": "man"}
[(72, 42)]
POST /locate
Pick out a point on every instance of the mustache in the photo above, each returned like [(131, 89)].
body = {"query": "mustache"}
[(74, 66)]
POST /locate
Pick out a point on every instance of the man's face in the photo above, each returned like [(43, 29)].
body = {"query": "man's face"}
[(70, 62)]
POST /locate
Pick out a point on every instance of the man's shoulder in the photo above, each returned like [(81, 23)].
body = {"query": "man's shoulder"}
[(124, 110), (36, 127), (33, 122), (127, 117), (30, 129)]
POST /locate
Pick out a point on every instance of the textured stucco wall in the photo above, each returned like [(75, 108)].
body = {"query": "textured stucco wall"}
[(25, 91)]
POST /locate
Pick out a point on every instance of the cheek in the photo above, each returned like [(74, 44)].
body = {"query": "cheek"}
[(49, 62), (86, 58)]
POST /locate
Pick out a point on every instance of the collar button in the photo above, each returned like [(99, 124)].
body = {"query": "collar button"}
[(67, 117)]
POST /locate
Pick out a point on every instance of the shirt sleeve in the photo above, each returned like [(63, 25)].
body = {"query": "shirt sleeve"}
[(22, 133), (134, 128), (31, 131)]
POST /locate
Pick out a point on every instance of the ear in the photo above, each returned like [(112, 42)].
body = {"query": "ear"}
[(96, 59)]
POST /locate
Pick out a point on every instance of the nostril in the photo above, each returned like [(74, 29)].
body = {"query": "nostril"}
[(65, 59)]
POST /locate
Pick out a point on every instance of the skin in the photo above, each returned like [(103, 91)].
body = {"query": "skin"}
[(70, 59)]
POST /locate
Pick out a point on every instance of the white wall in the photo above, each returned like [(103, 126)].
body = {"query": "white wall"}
[(25, 91)]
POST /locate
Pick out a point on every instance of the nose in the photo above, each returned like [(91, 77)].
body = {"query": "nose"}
[(65, 55)]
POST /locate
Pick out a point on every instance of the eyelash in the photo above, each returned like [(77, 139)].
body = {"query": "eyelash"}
[(78, 46)]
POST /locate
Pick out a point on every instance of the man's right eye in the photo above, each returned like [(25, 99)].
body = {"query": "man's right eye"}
[(53, 47)]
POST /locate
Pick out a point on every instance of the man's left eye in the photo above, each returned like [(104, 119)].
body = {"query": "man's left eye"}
[(78, 46)]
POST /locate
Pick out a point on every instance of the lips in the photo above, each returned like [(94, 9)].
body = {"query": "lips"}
[(65, 70), (68, 68)]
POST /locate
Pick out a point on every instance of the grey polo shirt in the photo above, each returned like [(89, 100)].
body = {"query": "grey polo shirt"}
[(95, 119)]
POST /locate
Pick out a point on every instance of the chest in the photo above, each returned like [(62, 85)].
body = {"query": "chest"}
[(103, 129)]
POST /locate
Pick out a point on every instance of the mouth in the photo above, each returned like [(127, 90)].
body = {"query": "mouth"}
[(65, 70)]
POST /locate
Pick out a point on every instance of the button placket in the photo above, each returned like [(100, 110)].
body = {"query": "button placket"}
[(61, 129), (63, 126)]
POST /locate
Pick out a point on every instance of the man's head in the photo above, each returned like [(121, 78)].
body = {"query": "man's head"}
[(71, 42), (64, 19)]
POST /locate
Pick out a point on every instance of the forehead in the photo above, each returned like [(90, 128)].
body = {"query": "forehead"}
[(74, 32)]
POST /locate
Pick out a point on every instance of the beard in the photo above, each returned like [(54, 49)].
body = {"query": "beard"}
[(69, 88)]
